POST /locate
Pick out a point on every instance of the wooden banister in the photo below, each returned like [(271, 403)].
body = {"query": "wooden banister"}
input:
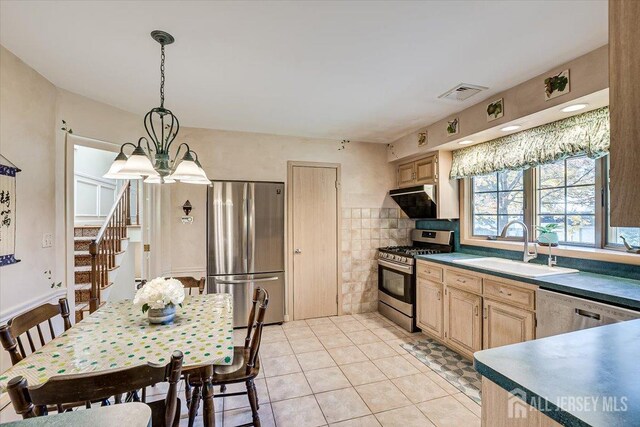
[(108, 243)]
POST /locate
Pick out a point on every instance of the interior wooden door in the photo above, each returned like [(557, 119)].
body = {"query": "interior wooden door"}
[(429, 306), (505, 324), (463, 325), (315, 241)]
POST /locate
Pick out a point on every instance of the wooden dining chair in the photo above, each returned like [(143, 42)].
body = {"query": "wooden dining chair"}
[(14, 332), (192, 284), (60, 390), (246, 363)]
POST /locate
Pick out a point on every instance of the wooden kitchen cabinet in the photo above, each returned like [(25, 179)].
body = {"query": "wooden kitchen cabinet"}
[(429, 307), (505, 324), (463, 322), (624, 104), (426, 170), (406, 174)]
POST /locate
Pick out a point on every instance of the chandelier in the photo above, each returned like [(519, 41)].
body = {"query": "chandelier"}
[(162, 127)]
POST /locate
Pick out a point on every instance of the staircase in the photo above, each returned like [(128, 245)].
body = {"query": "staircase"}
[(98, 251)]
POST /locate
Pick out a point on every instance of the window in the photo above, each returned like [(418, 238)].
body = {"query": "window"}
[(497, 199), (567, 197), (567, 193)]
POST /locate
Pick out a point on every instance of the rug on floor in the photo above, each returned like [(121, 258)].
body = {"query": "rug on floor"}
[(449, 365)]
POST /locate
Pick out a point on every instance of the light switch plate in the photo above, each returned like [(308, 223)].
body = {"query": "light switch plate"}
[(47, 240)]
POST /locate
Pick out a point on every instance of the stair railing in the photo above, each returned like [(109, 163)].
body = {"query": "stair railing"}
[(108, 243)]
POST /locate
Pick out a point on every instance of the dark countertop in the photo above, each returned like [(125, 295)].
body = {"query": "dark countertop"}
[(598, 287), (598, 363)]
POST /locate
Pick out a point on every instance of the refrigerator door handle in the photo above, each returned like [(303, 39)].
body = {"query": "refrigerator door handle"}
[(232, 281), (251, 227), (245, 220)]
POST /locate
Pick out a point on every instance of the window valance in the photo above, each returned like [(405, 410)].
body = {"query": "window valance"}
[(586, 133)]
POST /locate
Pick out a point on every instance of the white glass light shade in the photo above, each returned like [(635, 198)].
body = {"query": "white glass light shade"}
[(139, 164), (159, 180), (188, 170), (203, 181)]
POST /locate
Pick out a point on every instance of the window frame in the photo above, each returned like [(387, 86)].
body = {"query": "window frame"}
[(527, 208)]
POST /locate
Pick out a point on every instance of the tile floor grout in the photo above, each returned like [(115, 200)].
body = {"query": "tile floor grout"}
[(336, 322)]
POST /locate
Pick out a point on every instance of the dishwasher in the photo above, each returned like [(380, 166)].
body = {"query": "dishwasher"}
[(558, 313)]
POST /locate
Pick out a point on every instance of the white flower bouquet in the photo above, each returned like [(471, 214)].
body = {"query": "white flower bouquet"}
[(159, 293)]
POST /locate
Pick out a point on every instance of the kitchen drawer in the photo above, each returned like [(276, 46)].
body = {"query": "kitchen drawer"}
[(510, 293), (463, 281), (429, 271)]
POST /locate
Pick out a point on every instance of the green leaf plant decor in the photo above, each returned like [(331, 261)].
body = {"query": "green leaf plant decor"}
[(547, 235)]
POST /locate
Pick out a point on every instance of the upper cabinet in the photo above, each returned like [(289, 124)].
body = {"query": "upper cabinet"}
[(624, 99), (418, 172), (406, 174)]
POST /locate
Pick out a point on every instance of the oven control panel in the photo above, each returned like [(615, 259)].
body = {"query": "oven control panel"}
[(395, 258)]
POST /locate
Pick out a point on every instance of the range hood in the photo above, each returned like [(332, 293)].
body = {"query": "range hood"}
[(418, 202)]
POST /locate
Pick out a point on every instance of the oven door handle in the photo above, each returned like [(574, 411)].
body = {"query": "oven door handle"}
[(398, 267)]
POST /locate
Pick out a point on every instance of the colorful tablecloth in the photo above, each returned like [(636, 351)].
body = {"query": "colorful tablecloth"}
[(118, 335)]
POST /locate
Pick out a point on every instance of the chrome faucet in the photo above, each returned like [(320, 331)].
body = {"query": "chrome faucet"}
[(527, 256)]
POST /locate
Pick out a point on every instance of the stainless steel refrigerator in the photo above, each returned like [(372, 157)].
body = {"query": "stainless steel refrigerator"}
[(245, 244)]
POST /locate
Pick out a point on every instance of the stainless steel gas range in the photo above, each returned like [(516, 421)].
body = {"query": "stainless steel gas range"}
[(397, 275)]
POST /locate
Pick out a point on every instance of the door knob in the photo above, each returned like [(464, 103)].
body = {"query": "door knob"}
[(297, 251)]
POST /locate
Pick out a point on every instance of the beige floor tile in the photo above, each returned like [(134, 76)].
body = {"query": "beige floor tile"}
[(315, 360), (319, 321), (444, 384), (272, 335), (351, 326), (390, 333), (395, 367), (419, 388), (362, 337), (397, 345), (409, 416), (281, 365), (294, 324), (376, 323), (235, 402), (448, 412), (468, 403), (323, 330), (299, 333), (369, 315), (382, 396), (335, 340), (288, 386), (241, 416), (298, 412), (346, 355), (305, 345), (377, 350), (417, 363), (340, 405), (340, 319), (199, 421), (362, 373), (275, 349), (368, 421), (326, 379)]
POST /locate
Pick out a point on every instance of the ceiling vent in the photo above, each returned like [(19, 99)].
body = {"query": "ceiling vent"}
[(462, 92)]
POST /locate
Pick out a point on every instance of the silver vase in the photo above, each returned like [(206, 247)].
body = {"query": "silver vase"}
[(162, 316)]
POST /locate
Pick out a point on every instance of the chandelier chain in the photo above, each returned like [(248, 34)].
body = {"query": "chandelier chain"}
[(162, 76)]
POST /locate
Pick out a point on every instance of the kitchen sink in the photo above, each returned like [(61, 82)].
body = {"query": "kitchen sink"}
[(516, 268)]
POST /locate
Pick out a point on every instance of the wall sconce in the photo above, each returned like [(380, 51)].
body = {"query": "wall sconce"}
[(187, 208)]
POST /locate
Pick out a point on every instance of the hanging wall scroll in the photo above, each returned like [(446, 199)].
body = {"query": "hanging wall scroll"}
[(8, 173)]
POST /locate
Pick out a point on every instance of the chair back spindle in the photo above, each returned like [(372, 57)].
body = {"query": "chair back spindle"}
[(255, 325)]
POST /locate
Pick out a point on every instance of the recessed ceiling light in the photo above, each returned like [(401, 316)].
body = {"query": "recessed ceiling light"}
[(574, 107), (510, 128), (465, 142)]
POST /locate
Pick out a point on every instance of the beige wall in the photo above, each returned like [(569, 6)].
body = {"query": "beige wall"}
[(366, 179), (588, 73)]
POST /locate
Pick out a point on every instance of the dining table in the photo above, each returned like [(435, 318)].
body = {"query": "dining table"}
[(118, 335)]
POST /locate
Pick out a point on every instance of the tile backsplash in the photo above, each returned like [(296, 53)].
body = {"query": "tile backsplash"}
[(364, 230)]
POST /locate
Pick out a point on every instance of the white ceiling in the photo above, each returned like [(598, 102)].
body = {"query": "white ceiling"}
[(369, 71)]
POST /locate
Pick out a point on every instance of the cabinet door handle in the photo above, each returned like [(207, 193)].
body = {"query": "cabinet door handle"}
[(438, 295), (484, 313), (461, 281), (502, 292), (476, 310)]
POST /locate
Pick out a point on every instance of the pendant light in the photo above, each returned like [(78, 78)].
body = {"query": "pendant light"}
[(154, 164)]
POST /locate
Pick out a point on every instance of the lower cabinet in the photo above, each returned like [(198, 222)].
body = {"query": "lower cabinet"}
[(463, 322), (429, 311), (504, 324)]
